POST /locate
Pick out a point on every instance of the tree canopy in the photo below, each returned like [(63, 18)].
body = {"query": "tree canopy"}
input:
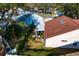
[(71, 10)]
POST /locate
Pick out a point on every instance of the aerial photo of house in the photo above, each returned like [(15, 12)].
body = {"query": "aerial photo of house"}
[(29, 29)]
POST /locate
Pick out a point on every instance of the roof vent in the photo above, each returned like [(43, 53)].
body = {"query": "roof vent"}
[(61, 21)]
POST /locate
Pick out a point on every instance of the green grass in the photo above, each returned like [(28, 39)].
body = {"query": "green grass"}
[(48, 52), (45, 15), (40, 50), (37, 52), (21, 24), (35, 43)]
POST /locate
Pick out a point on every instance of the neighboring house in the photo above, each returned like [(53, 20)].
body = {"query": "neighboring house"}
[(54, 13), (62, 32), (39, 21), (57, 13)]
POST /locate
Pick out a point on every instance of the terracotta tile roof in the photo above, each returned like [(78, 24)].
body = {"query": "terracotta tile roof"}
[(76, 20), (59, 26)]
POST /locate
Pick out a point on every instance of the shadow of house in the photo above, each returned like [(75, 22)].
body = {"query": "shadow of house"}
[(63, 50), (72, 45)]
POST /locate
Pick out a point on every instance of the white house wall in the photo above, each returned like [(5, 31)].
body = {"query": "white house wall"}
[(56, 41)]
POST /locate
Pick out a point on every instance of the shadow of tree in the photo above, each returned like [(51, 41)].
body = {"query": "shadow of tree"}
[(62, 52)]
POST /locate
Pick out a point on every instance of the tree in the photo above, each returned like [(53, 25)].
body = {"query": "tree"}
[(24, 40), (12, 34), (71, 10)]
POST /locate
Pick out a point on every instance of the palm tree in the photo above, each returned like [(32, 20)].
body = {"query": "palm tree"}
[(12, 34), (24, 41)]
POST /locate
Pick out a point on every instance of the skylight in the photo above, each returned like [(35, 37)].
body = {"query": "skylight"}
[(61, 21)]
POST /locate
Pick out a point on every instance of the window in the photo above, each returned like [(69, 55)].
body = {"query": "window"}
[(64, 40), (61, 21)]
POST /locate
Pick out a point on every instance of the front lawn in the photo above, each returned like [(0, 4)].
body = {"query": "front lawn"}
[(37, 48), (48, 52)]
